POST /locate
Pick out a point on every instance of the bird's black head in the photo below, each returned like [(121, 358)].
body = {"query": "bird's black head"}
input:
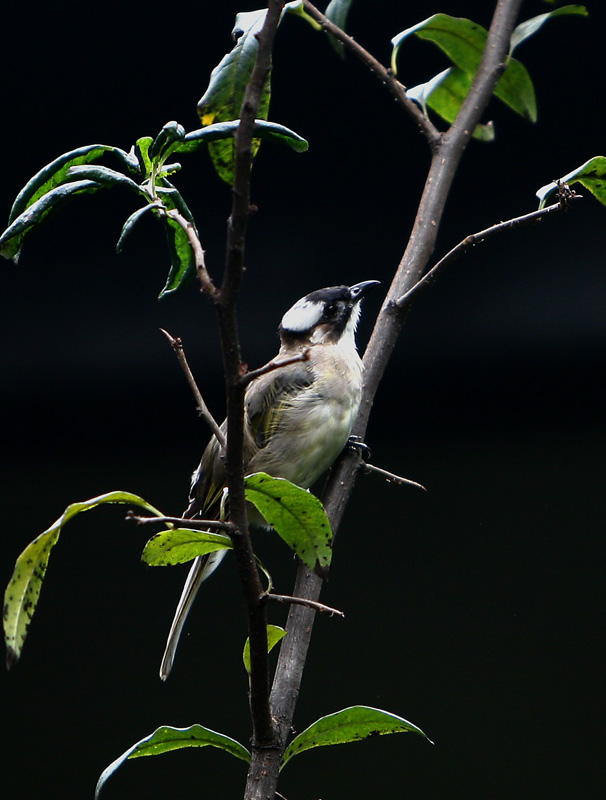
[(325, 316)]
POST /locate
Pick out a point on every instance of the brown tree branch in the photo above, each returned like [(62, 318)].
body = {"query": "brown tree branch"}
[(385, 75), (302, 601), (444, 164), (271, 366), (206, 283), (182, 522), (264, 741), (201, 406), (563, 204)]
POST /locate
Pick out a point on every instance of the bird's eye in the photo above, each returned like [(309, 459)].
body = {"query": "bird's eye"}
[(330, 310)]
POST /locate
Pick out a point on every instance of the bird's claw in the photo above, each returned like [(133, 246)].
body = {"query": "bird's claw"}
[(357, 444)]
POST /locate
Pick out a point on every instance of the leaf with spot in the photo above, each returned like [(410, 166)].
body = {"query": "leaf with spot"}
[(591, 175), (22, 593), (349, 725), (222, 101), (463, 41), (274, 635), (179, 545), (222, 130), (166, 739), (11, 240), (295, 514)]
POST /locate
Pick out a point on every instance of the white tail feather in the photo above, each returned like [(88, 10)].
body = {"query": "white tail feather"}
[(201, 569)]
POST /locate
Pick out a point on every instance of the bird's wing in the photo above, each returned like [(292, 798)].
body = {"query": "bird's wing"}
[(267, 397)]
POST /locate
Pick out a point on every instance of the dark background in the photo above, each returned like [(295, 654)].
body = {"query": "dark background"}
[(473, 610)]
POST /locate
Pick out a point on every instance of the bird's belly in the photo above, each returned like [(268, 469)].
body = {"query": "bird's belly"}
[(307, 447)]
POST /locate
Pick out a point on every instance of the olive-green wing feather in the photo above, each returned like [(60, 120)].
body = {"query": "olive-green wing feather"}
[(269, 395)]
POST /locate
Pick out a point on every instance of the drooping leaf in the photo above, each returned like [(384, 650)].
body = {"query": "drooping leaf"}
[(591, 175), (223, 130), (160, 148), (166, 739), (141, 150), (337, 11), (56, 173), (296, 515), (530, 26), (132, 221), (11, 240), (349, 725), (444, 94), (274, 635), (297, 7), (105, 177), (23, 590), (224, 96), (180, 545), (182, 259), (463, 41)]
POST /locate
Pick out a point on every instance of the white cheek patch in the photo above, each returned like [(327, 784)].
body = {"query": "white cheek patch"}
[(302, 316)]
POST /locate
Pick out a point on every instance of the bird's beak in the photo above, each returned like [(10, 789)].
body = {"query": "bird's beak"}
[(358, 290)]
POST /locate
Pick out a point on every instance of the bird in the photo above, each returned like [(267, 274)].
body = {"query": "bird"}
[(298, 419)]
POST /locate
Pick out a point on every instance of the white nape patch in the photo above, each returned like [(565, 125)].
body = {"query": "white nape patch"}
[(302, 316)]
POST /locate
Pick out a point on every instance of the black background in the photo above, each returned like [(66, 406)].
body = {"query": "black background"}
[(472, 611)]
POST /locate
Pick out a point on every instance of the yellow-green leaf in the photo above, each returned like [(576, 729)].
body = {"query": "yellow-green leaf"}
[(178, 545), (349, 725), (166, 739), (274, 635), (295, 514), (22, 593)]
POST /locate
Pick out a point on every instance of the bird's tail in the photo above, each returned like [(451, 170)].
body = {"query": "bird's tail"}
[(201, 569)]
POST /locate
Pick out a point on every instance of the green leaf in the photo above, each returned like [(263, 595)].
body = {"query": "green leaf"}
[(444, 94), (222, 130), (11, 240), (274, 635), (132, 221), (56, 173), (349, 725), (297, 7), (296, 515), (108, 178), (166, 739), (23, 590), (224, 96), (183, 262), (337, 11), (591, 175), (463, 41), (179, 545), (141, 149), (530, 26), (160, 148)]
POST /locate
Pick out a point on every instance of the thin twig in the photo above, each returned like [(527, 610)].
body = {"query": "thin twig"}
[(201, 406), (386, 76), (477, 238), (195, 524), (206, 283), (272, 365), (302, 601), (390, 476)]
